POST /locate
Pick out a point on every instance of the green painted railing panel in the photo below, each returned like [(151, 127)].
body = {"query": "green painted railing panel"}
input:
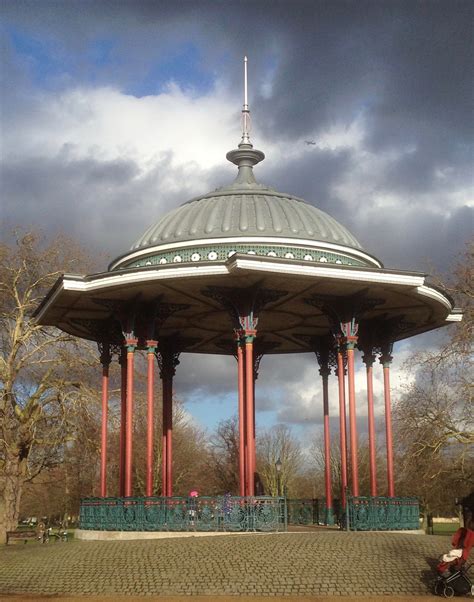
[(383, 513), (224, 513), (303, 511), (309, 511), (228, 513)]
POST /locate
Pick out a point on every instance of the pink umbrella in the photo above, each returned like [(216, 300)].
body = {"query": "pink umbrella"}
[(193, 493)]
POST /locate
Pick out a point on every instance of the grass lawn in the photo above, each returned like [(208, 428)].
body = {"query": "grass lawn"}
[(445, 528)]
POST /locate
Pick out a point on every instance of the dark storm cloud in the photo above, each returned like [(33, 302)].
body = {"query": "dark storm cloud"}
[(200, 376), (90, 199), (433, 240), (402, 69), (310, 177)]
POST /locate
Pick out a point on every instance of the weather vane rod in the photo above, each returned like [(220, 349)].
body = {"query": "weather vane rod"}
[(245, 110)]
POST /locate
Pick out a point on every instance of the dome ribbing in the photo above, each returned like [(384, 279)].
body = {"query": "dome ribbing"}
[(235, 211)]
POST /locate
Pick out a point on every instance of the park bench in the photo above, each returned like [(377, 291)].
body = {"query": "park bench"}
[(25, 535)]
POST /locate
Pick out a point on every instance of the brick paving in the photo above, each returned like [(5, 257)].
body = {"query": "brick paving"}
[(286, 564)]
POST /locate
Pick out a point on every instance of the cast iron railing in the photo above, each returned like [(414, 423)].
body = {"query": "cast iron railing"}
[(224, 513), (383, 513), (228, 513), (311, 511)]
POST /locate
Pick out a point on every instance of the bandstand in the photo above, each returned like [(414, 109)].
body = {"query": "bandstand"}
[(247, 271)]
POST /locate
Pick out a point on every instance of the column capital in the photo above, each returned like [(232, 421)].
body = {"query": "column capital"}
[(349, 331), (105, 354), (386, 353), (368, 358), (131, 344), (151, 346), (249, 322), (323, 347), (167, 359), (250, 335), (351, 342), (325, 371)]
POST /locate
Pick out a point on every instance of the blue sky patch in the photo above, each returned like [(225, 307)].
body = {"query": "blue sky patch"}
[(45, 59), (183, 66)]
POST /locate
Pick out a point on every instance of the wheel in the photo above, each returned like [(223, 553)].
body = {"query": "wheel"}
[(448, 592), (438, 588)]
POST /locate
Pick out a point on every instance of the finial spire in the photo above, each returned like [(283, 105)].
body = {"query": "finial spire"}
[(245, 156), (245, 110)]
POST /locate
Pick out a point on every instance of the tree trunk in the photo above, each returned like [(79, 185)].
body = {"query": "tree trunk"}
[(11, 486)]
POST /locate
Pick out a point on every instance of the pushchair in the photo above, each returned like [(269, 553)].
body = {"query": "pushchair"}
[(452, 572), (456, 583)]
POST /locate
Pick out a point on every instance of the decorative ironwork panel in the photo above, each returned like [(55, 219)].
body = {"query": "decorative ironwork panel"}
[(303, 512), (223, 513), (266, 514), (383, 513), (229, 513)]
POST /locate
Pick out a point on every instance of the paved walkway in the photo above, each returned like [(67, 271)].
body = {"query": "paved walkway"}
[(286, 564)]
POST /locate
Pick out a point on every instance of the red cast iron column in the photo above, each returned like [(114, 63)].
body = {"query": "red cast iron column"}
[(368, 359), (151, 348), (250, 409), (243, 479), (123, 418), (169, 436), (386, 360), (324, 372), (342, 424), (164, 430), (131, 345), (105, 361), (349, 330), (324, 350), (168, 359)]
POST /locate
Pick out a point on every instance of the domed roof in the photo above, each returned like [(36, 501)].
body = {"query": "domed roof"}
[(251, 210), (246, 208)]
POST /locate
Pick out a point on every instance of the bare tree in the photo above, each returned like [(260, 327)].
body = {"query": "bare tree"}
[(223, 460), (190, 452), (278, 443), (40, 391), (433, 417)]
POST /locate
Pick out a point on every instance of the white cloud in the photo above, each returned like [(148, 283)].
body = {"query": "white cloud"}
[(106, 124)]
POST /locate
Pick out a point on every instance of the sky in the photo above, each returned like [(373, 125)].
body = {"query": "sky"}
[(115, 112)]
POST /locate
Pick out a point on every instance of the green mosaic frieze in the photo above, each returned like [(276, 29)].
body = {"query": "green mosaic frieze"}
[(220, 253)]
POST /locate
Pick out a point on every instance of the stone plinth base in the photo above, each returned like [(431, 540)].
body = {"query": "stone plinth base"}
[(89, 535)]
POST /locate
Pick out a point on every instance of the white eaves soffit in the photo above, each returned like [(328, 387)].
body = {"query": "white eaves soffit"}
[(245, 264)]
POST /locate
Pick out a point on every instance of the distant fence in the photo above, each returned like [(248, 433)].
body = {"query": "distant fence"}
[(224, 513)]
